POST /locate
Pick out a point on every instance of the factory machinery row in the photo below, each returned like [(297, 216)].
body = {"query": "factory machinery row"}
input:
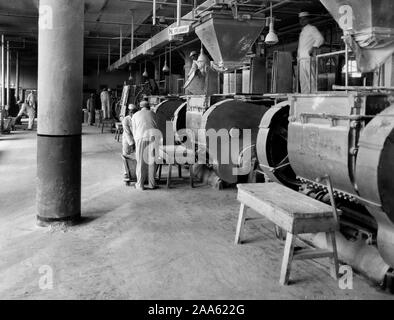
[(347, 134)]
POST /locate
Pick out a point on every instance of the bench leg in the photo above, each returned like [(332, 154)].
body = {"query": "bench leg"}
[(191, 176), (332, 245), (287, 259), (160, 168), (240, 224), (169, 175)]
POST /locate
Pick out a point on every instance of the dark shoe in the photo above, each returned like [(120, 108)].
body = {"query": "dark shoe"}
[(152, 188)]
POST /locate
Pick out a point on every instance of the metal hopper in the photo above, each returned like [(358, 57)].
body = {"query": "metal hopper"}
[(368, 26), (226, 39), (371, 22)]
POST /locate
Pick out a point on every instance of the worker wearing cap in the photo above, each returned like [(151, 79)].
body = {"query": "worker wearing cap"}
[(194, 56), (310, 40), (144, 130), (128, 144)]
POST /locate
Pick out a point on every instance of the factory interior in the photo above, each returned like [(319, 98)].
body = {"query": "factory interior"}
[(197, 150)]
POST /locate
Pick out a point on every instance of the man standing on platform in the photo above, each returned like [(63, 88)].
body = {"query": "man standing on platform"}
[(105, 103), (310, 40)]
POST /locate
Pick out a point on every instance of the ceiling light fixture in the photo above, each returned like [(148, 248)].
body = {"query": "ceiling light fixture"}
[(165, 68), (145, 74), (271, 37)]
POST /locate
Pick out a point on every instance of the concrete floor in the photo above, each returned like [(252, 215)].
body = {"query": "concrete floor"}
[(164, 244)]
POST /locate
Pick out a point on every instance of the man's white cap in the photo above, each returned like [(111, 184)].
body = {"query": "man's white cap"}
[(303, 14)]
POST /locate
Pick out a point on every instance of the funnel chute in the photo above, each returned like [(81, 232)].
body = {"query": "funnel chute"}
[(228, 40), (368, 26)]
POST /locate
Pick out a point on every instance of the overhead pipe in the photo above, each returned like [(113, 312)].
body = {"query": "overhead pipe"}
[(109, 54), (154, 13), (279, 4), (194, 9), (132, 32), (98, 65), (178, 12), (157, 2), (114, 38), (86, 21), (121, 43)]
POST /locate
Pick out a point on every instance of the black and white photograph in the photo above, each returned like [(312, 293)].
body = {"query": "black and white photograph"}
[(196, 156)]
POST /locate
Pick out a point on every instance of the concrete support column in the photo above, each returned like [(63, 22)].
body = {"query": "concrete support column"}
[(60, 78), (2, 83), (8, 75)]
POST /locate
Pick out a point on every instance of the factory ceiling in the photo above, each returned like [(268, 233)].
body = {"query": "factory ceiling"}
[(108, 20)]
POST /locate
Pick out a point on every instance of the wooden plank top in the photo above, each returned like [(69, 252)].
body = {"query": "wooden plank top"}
[(285, 200)]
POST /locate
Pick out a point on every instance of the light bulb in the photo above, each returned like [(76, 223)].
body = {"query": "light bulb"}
[(166, 68), (271, 37)]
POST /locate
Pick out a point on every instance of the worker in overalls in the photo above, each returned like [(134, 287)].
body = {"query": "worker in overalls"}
[(310, 40), (91, 107), (105, 103), (28, 109), (193, 56), (32, 100), (144, 130), (128, 143)]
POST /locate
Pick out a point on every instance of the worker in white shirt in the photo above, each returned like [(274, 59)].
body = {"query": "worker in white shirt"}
[(32, 100), (144, 130), (128, 144), (26, 108), (310, 40), (105, 103)]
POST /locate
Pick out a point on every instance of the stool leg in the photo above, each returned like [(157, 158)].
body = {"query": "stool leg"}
[(179, 171), (191, 176), (169, 176), (332, 245), (287, 258), (240, 224), (160, 168)]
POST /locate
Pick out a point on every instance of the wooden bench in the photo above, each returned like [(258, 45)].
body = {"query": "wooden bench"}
[(296, 213)]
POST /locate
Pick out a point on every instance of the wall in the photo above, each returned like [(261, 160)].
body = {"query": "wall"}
[(109, 79), (27, 77)]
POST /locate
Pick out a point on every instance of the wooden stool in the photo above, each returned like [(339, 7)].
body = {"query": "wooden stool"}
[(110, 122), (296, 213), (169, 155), (99, 117), (118, 130)]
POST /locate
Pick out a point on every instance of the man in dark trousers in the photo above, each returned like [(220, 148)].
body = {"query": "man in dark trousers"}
[(91, 106)]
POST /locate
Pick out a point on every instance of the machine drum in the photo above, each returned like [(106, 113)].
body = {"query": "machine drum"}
[(271, 146), (231, 116), (374, 174)]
